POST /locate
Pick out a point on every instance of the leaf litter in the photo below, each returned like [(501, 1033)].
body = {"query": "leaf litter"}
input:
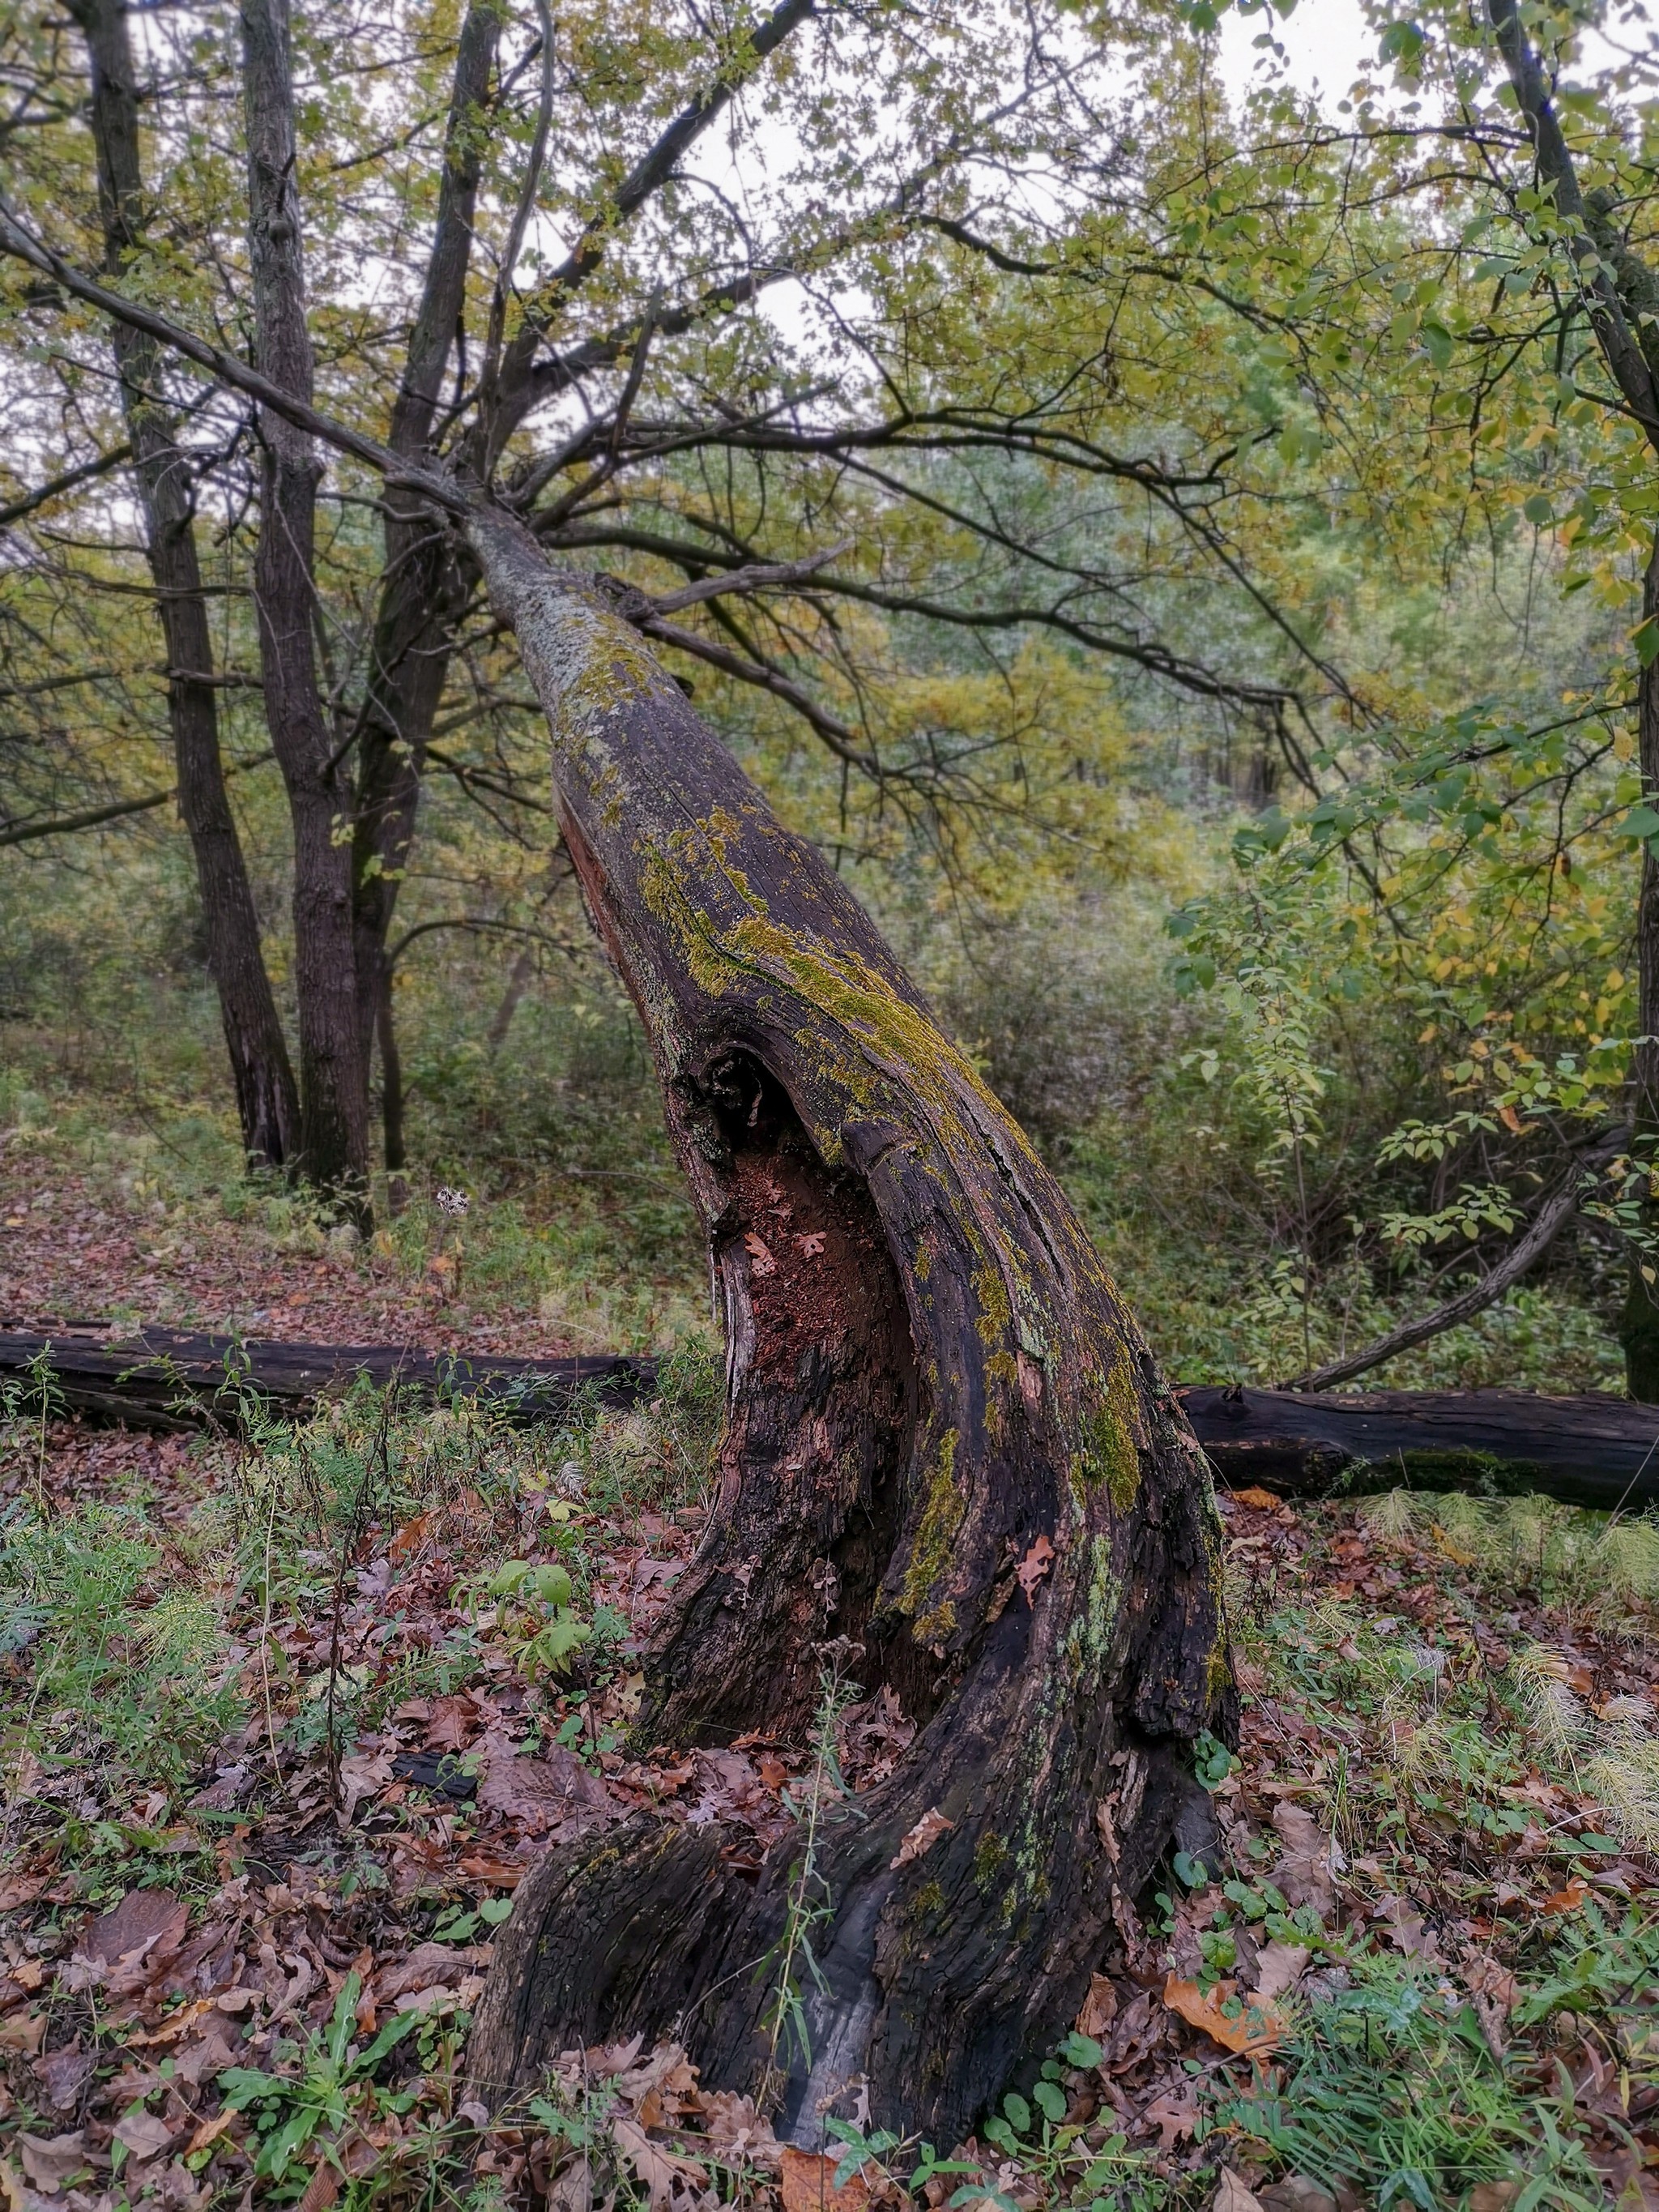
[(353, 1838)]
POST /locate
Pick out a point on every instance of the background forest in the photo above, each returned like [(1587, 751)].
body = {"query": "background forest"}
[(1184, 548), (1217, 676)]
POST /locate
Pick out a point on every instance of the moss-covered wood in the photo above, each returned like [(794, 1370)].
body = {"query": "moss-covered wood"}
[(931, 1381)]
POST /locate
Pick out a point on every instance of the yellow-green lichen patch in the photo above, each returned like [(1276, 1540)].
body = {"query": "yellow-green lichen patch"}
[(990, 1857), (1097, 1620), (1109, 1453), (707, 962), (995, 1312), (942, 1515)]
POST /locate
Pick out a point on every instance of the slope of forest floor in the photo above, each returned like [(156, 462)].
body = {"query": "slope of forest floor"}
[(105, 1225)]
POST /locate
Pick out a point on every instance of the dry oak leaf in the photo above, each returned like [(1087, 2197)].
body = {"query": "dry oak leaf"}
[(452, 1723), (1099, 2008), (1568, 1899), (809, 2184), (362, 1776), (764, 1264), (1231, 2195), (1278, 1967), (1175, 2115), (49, 2161), (321, 2189), (146, 1927), (1493, 2196), (427, 1967), (64, 2074), (738, 2133), (926, 1833), (1295, 2192), (210, 2130), (24, 2032), (1304, 1873), (543, 1793), (494, 1874), (142, 2134), (1033, 1567), (668, 2179), (1257, 2028)]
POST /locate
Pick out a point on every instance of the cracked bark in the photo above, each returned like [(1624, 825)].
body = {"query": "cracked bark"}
[(930, 1379)]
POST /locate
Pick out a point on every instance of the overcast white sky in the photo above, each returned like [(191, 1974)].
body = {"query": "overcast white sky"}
[(1326, 42)]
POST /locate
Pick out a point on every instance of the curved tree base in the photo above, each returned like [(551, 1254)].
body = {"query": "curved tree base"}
[(651, 1931), (946, 1447)]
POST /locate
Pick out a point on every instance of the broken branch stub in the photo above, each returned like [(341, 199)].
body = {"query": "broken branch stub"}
[(945, 1441)]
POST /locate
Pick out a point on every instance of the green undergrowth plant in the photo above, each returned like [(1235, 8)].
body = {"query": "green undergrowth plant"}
[(1419, 1730), (135, 1642), (1387, 2088), (1602, 1566), (114, 1654), (316, 2089)]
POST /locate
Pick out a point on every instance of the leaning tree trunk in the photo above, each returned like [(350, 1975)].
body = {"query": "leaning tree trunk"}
[(945, 1441)]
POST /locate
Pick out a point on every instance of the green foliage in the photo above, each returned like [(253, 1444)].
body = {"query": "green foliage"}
[(123, 1660), (1388, 2087), (316, 2087)]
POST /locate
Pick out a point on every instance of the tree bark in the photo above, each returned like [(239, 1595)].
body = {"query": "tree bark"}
[(333, 1067), (1638, 1328), (423, 588), (266, 1102), (946, 1442)]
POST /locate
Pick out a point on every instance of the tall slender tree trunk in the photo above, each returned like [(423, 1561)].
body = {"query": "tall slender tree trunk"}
[(1639, 1324), (333, 1067), (266, 1102), (945, 1442), (423, 588)]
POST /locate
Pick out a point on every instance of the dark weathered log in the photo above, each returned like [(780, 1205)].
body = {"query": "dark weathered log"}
[(1599, 1451), (946, 1445), (171, 1379), (1593, 1450)]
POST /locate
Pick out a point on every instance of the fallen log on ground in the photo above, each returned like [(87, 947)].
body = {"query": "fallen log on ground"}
[(1593, 1450), (174, 1381)]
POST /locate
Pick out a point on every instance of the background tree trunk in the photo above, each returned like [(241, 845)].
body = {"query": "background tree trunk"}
[(333, 1068), (945, 1442), (266, 1102), (422, 586), (1639, 1324)]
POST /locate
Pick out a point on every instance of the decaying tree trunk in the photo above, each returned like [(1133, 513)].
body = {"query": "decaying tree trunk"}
[(945, 1441)]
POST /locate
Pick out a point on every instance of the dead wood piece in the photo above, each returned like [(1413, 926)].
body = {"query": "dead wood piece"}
[(173, 1380), (1592, 1450)]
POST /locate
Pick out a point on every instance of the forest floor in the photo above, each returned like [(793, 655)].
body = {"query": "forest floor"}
[(285, 1716)]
